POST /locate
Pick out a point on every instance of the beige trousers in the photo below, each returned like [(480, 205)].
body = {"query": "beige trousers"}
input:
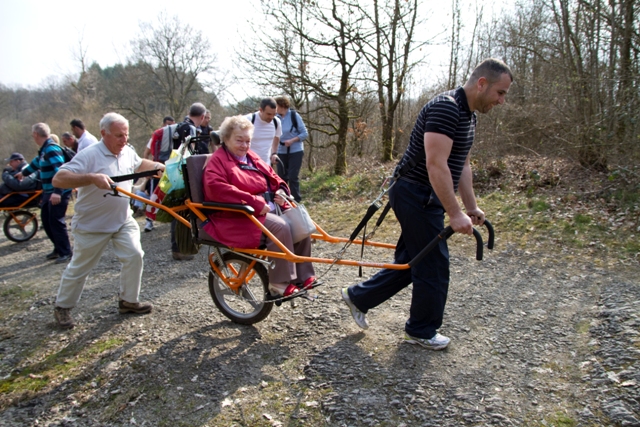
[(87, 250)]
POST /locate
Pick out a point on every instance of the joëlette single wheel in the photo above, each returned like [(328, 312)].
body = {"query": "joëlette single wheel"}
[(248, 306)]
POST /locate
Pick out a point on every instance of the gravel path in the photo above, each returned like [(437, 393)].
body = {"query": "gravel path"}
[(538, 338)]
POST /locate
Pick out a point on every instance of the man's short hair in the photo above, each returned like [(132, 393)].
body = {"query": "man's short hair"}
[(198, 109), (232, 123), (491, 69), (283, 101), (168, 119), (77, 123), (267, 102), (67, 135), (111, 118), (41, 129)]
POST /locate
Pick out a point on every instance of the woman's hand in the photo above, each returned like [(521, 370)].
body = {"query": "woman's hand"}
[(278, 199), (265, 210)]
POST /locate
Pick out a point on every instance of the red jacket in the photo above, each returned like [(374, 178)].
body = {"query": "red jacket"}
[(224, 181)]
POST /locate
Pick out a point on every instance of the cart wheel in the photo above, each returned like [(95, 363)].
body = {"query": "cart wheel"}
[(249, 305), (20, 226)]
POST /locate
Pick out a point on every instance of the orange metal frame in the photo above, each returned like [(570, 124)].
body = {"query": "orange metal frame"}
[(11, 209), (286, 254), (31, 198)]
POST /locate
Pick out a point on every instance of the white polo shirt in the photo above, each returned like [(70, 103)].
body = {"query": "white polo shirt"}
[(85, 140), (93, 211), (263, 134)]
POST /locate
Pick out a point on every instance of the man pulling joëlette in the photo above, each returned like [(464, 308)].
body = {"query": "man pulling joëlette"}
[(437, 160), (99, 220)]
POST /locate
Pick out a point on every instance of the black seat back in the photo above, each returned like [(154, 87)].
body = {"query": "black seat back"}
[(195, 170)]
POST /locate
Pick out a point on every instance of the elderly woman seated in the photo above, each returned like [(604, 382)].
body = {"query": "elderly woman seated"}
[(235, 174)]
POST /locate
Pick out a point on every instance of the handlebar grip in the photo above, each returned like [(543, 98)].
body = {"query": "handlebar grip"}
[(448, 232), (491, 234), (479, 244)]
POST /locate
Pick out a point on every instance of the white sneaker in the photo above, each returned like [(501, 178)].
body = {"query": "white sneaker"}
[(438, 342), (148, 226), (358, 316)]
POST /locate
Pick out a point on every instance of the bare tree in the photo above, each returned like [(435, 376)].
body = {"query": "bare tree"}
[(388, 53), (330, 34), (167, 65)]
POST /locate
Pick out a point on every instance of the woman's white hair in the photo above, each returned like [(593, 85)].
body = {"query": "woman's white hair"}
[(232, 123)]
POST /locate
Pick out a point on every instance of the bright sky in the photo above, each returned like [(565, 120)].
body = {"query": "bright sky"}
[(40, 39)]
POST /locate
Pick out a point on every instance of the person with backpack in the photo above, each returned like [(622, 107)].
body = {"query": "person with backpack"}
[(70, 142), (156, 136), (266, 131), (54, 200), (149, 153), (172, 137), (291, 148)]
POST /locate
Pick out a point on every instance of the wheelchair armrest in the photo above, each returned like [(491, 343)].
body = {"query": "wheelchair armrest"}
[(244, 208)]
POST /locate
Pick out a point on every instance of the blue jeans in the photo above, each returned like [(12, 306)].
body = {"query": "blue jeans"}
[(421, 218), (54, 222)]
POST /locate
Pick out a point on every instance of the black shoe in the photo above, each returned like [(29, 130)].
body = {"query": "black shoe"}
[(53, 255), (63, 259), (181, 257)]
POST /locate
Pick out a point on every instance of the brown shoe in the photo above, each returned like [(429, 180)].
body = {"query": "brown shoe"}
[(63, 317), (178, 256), (134, 307)]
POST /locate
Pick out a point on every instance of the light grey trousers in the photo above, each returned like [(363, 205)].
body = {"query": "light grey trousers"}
[(285, 271)]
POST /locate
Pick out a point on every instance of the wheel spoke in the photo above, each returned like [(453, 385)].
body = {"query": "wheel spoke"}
[(247, 293)]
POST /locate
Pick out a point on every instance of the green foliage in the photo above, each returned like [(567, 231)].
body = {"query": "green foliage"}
[(561, 420), (582, 220), (538, 206), (324, 185)]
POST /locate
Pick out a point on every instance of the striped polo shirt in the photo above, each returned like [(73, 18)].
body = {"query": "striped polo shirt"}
[(48, 161), (448, 114)]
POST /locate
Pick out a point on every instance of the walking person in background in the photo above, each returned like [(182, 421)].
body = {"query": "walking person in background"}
[(291, 147), (267, 130), (85, 139), (151, 183), (54, 199), (156, 136), (435, 165), (70, 141), (188, 127)]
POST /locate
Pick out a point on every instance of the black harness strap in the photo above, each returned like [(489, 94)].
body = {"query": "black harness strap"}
[(370, 212)]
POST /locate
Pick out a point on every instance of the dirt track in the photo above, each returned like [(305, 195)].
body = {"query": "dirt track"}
[(538, 338)]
